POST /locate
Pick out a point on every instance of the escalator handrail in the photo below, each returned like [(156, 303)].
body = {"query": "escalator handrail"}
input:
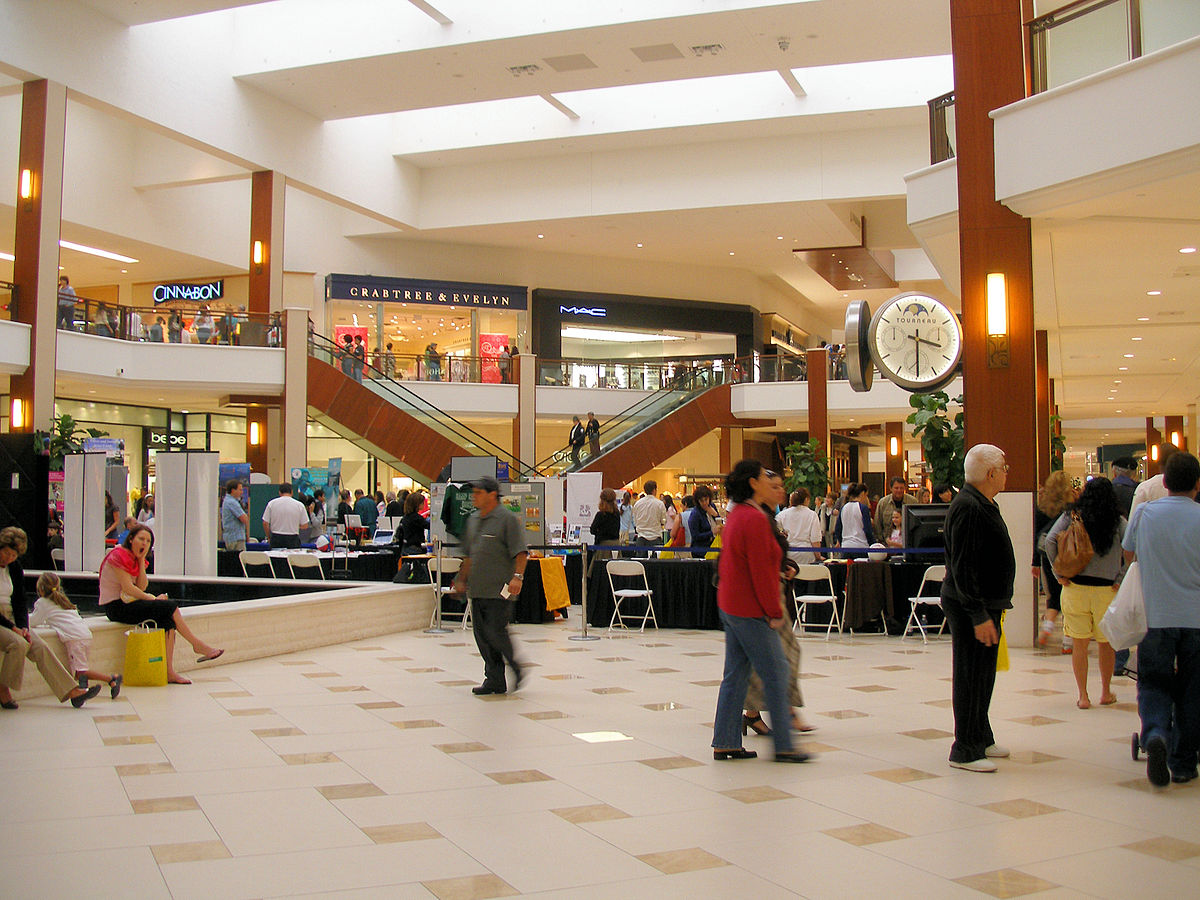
[(415, 400)]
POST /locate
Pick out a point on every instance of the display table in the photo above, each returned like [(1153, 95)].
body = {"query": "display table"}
[(530, 605), (684, 594), (369, 565)]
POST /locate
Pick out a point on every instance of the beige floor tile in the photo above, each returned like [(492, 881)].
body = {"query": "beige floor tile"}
[(297, 662), (380, 704), (893, 668), (928, 734), (1035, 757), (164, 804), (422, 670), (711, 682), (667, 706), (596, 812), (191, 852), (222, 695), (276, 732), (902, 775), (458, 682), (868, 833), (545, 715), (128, 717), (346, 688), (562, 677), (1020, 809), (1168, 848), (672, 862), (660, 670), (844, 714), (349, 791), (519, 776), (666, 763), (1037, 720), (417, 723), (471, 887), (127, 740), (308, 759), (462, 747), (145, 769), (871, 688), (611, 690), (254, 711), (761, 794), (322, 675), (396, 834), (1006, 883)]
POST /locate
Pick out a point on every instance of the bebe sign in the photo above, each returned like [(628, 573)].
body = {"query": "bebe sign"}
[(213, 290), (166, 440)]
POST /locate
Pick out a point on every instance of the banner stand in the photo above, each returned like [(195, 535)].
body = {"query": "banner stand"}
[(583, 596), (437, 627)]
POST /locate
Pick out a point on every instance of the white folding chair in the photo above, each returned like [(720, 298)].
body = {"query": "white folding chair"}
[(934, 575), (623, 568), (58, 556), (256, 558), (450, 566), (815, 574), (306, 562)]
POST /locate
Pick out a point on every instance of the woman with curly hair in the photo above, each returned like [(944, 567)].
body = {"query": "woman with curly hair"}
[(1086, 596), (1057, 494)]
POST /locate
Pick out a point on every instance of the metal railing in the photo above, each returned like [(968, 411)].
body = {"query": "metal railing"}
[(414, 405), (941, 128), (1088, 36), (441, 367), (175, 325)]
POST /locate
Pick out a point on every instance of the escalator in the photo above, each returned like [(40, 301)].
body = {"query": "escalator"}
[(655, 429), (392, 422)]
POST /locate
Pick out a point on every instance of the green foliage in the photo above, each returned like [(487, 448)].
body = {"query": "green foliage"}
[(65, 436), (809, 468), (942, 437), (1058, 446)]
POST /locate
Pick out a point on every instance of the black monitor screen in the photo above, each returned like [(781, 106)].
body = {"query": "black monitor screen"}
[(924, 527)]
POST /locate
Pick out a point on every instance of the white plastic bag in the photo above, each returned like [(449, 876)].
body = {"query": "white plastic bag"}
[(1124, 623)]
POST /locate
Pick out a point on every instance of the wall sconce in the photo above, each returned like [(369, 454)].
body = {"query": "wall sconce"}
[(256, 255), (255, 434), (894, 446), (26, 187), (1154, 452), (17, 422), (1175, 438), (997, 321)]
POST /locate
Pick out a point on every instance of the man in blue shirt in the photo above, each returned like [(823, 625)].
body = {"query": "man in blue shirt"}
[(234, 518), (366, 510), (1164, 535)]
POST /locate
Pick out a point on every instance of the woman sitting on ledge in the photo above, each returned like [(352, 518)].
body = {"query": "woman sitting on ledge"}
[(124, 597)]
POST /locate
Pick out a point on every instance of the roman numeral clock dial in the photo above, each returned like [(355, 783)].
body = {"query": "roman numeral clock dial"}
[(914, 339)]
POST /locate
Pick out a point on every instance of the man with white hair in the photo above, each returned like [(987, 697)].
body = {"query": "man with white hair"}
[(980, 569)]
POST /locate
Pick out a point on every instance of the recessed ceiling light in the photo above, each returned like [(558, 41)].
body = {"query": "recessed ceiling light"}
[(1135, 338), (1143, 318), (1118, 410), (779, 237), (639, 243), (1129, 356), (540, 236), (1187, 249), (1153, 293), (1116, 381), (731, 253), (117, 257), (1122, 368)]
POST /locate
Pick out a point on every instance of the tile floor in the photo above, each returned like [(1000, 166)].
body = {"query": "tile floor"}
[(370, 770)]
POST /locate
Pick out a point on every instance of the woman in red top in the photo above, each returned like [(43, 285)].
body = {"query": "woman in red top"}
[(750, 600), (124, 598)]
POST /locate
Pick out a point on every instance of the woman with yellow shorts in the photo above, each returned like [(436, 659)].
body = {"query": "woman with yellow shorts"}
[(1086, 595)]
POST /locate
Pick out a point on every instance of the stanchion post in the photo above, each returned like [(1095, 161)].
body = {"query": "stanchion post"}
[(437, 628), (583, 597)]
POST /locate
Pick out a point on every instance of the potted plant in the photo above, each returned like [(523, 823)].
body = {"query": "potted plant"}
[(65, 436), (942, 436), (1058, 445), (810, 468)]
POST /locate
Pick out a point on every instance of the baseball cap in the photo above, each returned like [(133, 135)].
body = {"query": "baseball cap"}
[(490, 485), (1125, 462)]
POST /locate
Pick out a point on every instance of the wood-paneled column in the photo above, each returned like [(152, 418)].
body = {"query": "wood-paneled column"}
[(894, 462), (266, 242), (35, 248), (256, 438), (1153, 439), (1041, 348), (294, 409), (818, 399), (732, 448)]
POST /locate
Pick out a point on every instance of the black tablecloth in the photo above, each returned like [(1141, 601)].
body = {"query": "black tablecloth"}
[(374, 566), (684, 594), (530, 606), (872, 590)]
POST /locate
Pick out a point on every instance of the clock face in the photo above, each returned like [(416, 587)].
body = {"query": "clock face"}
[(916, 341)]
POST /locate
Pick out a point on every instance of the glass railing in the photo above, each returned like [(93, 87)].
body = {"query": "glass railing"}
[(442, 367), (7, 301), (1088, 36), (413, 404), (941, 128), (624, 374), (196, 325)]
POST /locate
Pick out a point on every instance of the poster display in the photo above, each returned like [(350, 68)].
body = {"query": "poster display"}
[(490, 347), (527, 501), (583, 502), (555, 489), (228, 472)]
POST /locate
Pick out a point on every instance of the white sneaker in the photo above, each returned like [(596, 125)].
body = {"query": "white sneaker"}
[(975, 765), (996, 752), (1044, 633)]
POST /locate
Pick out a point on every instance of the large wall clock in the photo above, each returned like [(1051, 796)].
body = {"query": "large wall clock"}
[(860, 367), (916, 341)]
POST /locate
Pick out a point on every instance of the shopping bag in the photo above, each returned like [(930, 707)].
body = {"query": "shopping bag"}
[(1124, 622), (146, 656), (1002, 649), (714, 548)]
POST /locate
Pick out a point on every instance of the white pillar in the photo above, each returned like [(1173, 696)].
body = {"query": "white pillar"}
[(1020, 623)]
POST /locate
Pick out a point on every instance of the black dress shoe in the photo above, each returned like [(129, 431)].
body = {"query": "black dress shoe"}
[(1156, 762), (1184, 777), (83, 698), (488, 689), (517, 676)]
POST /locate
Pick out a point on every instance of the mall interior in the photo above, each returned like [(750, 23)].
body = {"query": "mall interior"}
[(659, 213)]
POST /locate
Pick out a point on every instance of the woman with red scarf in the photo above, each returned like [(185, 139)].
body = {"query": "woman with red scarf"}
[(124, 598)]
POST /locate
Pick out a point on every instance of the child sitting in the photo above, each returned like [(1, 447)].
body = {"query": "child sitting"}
[(54, 609)]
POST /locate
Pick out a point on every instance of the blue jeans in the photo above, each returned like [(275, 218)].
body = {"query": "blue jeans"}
[(752, 642), (1169, 693)]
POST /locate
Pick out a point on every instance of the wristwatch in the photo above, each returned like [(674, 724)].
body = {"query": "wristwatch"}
[(517, 575)]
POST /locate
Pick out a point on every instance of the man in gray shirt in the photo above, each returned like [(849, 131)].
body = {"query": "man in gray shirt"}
[(493, 570)]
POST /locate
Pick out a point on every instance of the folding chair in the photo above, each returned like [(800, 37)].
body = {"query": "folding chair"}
[(622, 568), (815, 574), (450, 566), (934, 575), (58, 556), (306, 561), (258, 559)]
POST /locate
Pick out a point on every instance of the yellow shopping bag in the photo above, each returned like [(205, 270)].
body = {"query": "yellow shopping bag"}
[(714, 547), (1002, 649), (146, 656)]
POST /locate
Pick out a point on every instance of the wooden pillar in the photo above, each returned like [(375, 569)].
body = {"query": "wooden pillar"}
[(1173, 431), (35, 268), (256, 438), (989, 72), (1153, 440), (266, 242), (732, 448), (291, 449), (818, 399), (1043, 406), (893, 436)]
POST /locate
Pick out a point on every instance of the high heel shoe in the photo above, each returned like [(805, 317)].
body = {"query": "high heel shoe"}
[(739, 753), (756, 724)]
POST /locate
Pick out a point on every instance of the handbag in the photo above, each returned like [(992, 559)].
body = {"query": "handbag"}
[(145, 655), (715, 548), (1074, 549), (1002, 649), (1124, 622)]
